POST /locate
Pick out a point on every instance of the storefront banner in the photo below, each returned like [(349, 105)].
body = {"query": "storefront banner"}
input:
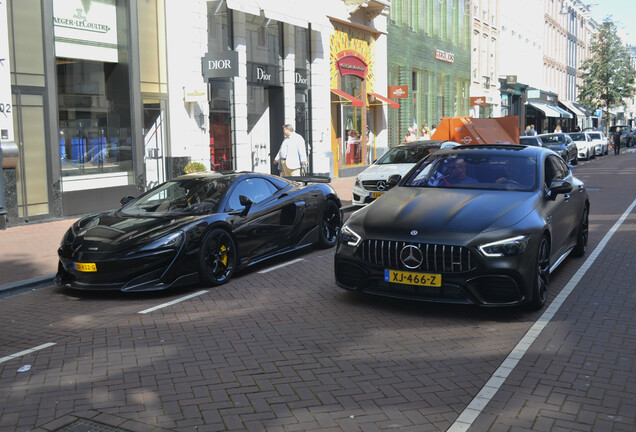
[(477, 101), (195, 94), (398, 92), (444, 56), (301, 78), (533, 94), (86, 30), (519, 90), (263, 74), (351, 65), (220, 64), (6, 107)]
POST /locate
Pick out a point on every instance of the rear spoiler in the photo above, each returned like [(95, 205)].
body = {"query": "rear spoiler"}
[(309, 179)]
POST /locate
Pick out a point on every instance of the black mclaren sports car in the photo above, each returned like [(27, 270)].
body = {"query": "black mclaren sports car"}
[(478, 224), (197, 228)]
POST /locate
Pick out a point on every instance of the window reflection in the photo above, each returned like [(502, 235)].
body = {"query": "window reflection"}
[(94, 114)]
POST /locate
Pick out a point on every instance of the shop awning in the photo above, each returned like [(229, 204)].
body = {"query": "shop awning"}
[(281, 11), (561, 111), (384, 100), (545, 109), (570, 106), (347, 97), (246, 6), (576, 109), (585, 111)]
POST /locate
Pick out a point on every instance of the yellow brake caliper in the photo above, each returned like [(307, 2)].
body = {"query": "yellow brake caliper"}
[(224, 255)]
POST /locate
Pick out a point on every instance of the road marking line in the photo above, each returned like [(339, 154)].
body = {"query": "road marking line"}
[(280, 266), (179, 300), (25, 352), (477, 405)]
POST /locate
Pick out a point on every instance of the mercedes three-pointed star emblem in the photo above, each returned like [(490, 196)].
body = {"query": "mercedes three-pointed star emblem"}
[(411, 256)]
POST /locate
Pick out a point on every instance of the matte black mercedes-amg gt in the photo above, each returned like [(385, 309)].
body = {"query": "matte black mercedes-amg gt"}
[(198, 227), (473, 224)]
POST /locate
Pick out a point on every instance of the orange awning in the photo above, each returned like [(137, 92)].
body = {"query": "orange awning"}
[(384, 99), (354, 100)]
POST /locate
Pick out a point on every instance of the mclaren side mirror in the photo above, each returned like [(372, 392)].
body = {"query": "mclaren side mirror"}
[(246, 202), (125, 200)]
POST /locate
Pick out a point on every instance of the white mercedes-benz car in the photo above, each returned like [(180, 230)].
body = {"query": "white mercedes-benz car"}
[(601, 145), (373, 182), (586, 148)]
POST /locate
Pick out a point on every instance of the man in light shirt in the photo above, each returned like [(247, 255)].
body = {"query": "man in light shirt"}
[(292, 155)]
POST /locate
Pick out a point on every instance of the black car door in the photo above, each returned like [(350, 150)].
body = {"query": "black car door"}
[(268, 225), (559, 209)]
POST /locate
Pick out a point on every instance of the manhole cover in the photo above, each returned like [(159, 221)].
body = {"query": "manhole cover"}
[(83, 425)]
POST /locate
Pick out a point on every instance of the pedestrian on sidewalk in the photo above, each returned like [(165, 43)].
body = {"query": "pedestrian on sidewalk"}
[(410, 136), (292, 155), (616, 139)]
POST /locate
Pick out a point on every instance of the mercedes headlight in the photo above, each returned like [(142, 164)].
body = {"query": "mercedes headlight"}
[(508, 247), (349, 236), (358, 182)]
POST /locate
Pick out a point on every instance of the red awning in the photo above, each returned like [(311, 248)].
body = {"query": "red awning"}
[(384, 99), (354, 100)]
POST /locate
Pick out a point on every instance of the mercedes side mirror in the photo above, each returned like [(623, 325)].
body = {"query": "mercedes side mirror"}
[(394, 180), (559, 187)]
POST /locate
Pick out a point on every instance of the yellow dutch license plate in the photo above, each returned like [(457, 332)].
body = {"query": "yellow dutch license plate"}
[(375, 194), (411, 278), (85, 267)]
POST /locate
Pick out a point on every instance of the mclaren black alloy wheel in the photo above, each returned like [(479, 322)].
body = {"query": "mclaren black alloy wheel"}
[(541, 276), (329, 225), (217, 257), (582, 235)]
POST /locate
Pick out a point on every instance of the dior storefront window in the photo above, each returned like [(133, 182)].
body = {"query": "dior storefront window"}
[(220, 87), (302, 84), (265, 96)]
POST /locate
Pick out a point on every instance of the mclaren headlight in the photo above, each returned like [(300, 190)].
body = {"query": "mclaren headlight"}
[(508, 247), (170, 241), (349, 236)]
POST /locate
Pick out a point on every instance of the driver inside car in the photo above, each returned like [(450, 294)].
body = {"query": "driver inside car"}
[(518, 172), (457, 172)]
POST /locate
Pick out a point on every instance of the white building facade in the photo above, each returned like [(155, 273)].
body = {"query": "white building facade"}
[(484, 87), (99, 115)]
